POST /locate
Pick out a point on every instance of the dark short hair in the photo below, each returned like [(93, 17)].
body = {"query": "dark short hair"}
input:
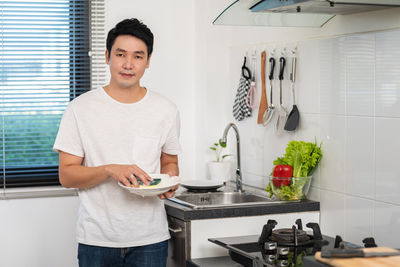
[(132, 27)]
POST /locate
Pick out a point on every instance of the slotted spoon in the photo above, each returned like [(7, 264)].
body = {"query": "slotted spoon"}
[(271, 108), (282, 111)]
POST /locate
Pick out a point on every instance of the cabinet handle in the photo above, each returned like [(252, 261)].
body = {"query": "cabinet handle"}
[(176, 230)]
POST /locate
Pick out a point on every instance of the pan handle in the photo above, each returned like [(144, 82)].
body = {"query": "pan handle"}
[(271, 74)]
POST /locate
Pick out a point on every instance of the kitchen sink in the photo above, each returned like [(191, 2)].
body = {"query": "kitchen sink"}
[(220, 199)]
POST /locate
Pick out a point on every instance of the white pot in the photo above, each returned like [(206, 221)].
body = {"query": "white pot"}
[(219, 171)]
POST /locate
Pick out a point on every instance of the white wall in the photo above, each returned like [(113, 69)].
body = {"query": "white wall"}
[(171, 71), (38, 232), (348, 94)]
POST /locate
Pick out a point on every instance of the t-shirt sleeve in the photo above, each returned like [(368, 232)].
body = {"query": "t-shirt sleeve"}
[(68, 138), (172, 145)]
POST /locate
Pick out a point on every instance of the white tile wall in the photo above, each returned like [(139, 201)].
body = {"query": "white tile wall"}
[(332, 163), (359, 215), (387, 74), (387, 160), (359, 59), (332, 213), (348, 93), (308, 77), (386, 224), (360, 168), (360, 178), (314, 193), (332, 72)]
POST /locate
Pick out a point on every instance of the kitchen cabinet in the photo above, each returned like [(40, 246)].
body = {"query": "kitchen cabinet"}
[(179, 244), (191, 228)]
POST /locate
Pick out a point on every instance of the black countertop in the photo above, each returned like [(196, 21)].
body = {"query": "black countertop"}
[(187, 214)]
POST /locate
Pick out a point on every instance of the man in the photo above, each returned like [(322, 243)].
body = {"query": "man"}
[(120, 133)]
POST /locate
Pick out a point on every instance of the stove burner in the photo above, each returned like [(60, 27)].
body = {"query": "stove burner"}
[(270, 246), (287, 235), (293, 237), (283, 251)]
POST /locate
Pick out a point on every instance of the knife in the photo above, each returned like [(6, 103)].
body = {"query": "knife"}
[(355, 253)]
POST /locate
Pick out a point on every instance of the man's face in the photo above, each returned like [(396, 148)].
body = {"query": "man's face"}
[(128, 60)]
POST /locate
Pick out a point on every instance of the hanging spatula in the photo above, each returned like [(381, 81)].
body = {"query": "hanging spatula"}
[(263, 102), (294, 115)]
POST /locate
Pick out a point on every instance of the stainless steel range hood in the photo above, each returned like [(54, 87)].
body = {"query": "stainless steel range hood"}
[(341, 7), (295, 13)]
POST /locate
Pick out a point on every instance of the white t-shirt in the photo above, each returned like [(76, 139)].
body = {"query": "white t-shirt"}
[(104, 131)]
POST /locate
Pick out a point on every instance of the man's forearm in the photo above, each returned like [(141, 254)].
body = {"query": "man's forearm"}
[(77, 176), (170, 168)]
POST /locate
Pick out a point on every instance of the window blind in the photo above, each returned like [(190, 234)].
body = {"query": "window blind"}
[(50, 54)]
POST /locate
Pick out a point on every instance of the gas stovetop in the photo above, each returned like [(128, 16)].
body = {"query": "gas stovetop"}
[(281, 247)]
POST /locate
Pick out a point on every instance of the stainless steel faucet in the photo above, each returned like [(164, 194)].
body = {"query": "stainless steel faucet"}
[(239, 187)]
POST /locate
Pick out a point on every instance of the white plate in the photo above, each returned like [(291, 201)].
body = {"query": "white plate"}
[(202, 184), (165, 185)]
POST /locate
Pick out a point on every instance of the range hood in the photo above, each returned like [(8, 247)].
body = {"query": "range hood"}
[(341, 7), (295, 13)]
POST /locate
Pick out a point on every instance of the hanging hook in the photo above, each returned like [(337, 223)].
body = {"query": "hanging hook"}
[(254, 54), (273, 52), (294, 50), (245, 69), (283, 52), (244, 62)]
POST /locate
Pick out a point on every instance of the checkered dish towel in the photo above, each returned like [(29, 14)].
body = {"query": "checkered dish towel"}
[(240, 109)]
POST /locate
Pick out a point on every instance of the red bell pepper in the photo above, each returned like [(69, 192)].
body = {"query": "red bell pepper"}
[(282, 171)]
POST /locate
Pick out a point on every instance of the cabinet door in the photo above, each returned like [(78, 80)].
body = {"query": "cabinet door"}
[(179, 244)]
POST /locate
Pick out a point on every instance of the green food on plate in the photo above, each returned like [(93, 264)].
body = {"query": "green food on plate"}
[(153, 183)]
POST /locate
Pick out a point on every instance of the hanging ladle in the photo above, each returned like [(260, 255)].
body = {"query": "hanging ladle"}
[(271, 108), (294, 115)]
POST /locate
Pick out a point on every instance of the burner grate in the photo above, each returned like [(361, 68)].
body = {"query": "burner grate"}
[(290, 237), (287, 235)]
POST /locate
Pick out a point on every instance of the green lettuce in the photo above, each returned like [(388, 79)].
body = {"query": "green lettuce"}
[(302, 156)]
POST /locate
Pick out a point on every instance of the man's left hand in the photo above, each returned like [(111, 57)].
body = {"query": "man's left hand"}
[(170, 193)]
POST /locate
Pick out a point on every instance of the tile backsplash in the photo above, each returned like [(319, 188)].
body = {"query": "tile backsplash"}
[(348, 93)]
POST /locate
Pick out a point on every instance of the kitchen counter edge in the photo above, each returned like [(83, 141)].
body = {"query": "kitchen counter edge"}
[(187, 214)]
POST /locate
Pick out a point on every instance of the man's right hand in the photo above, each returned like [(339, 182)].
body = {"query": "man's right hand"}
[(73, 175), (127, 174)]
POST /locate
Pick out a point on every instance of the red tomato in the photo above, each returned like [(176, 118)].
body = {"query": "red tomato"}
[(282, 171)]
